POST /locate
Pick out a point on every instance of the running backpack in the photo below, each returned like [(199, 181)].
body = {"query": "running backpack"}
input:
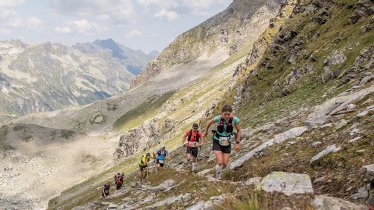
[(197, 136), (118, 180), (229, 125)]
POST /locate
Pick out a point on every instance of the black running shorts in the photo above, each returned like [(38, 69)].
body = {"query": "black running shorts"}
[(193, 151), (142, 167), (161, 164), (223, 149)]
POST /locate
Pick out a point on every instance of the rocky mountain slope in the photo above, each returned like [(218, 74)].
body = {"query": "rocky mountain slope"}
[(150, 113), (133, 61), (304, 94), (46, 77), (239, 23)]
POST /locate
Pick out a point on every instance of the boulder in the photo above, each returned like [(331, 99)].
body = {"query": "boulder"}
[(256, 181), (369, 169), (362, 194), (355, 139), (316, 144), (322, 112), (337, 57), (287, 183), (166, 185), (370, 109), (366, 79), (112, 206), (323, 202), (279, 138), (329, 125), (326, 151), (204, 172), (341, 124)]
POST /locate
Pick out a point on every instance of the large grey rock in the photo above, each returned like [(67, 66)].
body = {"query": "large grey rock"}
[(326, 151), (279, 138), (366, 112), (162, 187), (341, 124), (287, 183), (201, 205), (322, 112), (256, 181), (337, 57), (323, 202), (112, 206), (362, 193), (168, 201), (369, 169)]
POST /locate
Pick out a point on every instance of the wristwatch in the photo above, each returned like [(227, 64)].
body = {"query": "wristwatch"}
[(237, 142)]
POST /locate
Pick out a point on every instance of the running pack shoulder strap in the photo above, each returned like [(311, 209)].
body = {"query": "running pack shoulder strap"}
[(190, 135), (197, 136)]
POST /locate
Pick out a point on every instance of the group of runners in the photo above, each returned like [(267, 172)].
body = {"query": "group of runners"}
[(226, 133)]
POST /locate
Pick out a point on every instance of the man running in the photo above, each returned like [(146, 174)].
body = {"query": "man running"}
[(161, 154), (105, 190), (143, 166), (193, 137), (223, 137), (118, 181)]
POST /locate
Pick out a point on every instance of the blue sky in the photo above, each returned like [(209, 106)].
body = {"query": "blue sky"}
[(140, 24)]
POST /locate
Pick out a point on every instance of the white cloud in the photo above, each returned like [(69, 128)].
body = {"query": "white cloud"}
[(63, 29), (14, 22), (85, 27), (133, 34), (6, 14), (167, 14), (34, 23), (172, 9), (4, 31), (82, 26), (118, 11), (11, 3)]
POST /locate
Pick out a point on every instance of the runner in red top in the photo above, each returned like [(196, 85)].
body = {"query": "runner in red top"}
[(195, 140)]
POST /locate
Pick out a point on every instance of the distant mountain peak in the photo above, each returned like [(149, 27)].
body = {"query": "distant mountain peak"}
[(133, 60), (113, 46)]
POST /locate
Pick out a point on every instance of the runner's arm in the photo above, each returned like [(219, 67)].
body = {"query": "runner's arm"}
[(237, 132), (184, 138), (207, 127), (202, 139)]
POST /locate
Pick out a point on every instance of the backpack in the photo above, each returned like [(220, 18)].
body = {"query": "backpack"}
[(229, 125), (197, 136), (118, 180), (142, 159), (159, 153)]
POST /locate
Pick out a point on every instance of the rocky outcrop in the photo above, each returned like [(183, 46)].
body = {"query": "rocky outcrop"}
[(241, 21), (324, 202), (334, 105), (287, 183), (369, 169), (279, 138), (149, 134), (325, 152)]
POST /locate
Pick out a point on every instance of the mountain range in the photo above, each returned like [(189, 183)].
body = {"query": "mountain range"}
[(48, 76), (298, 74)]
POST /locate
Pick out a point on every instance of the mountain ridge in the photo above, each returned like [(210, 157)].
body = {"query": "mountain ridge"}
[(50, 76)]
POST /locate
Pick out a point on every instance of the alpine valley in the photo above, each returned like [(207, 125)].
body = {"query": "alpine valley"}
[(299, 74)]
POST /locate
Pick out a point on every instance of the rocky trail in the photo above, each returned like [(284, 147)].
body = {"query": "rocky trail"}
[(286, 164), (302, 85)]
